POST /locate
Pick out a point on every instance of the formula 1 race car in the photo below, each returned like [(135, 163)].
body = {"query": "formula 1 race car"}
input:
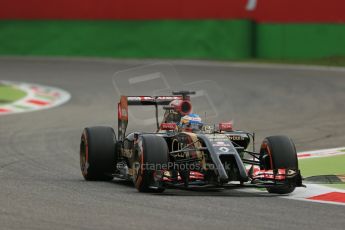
[(185, 153)]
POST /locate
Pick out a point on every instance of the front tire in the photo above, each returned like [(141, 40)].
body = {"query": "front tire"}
[(151, 154), (98, 153), (279, 152)]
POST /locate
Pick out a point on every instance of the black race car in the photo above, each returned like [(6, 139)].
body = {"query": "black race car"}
[(216, 157)]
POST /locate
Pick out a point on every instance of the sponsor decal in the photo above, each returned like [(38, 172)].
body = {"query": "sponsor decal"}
[(217, 137), (236, 138), (168, 126), (226, 126), (168, 98), (221, 145), (224, 149)]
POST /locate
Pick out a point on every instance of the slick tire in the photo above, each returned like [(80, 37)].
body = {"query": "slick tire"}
[(279, 152), (98, 153), (152, 153)]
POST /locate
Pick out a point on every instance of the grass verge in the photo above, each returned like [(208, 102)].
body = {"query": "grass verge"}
[(9, 94), (334, 165)]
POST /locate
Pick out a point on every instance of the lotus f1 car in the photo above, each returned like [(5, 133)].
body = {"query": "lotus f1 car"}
[(175, 157)]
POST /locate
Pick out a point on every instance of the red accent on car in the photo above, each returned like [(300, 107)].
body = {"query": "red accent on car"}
[(193, 176), (119, 112), (184, 107), (269, 174), (124, 108), (168, 126), (226, 126)]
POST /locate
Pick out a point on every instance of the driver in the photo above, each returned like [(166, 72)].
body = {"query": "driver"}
[(190, 123)]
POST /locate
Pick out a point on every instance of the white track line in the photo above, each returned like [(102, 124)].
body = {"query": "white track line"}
[(321, 153)]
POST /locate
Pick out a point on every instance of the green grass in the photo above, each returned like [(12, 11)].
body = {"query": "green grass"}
[(322, 166), (9, 94)]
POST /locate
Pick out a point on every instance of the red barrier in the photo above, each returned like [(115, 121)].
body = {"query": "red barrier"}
[(121, 9), (300, 11), (259, 10)]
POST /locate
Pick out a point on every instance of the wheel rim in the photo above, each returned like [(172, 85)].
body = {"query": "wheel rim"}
[(267, 151), (135, 167)]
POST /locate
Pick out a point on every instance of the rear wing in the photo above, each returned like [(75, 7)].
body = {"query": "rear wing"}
[(126, 101), (151, 100)]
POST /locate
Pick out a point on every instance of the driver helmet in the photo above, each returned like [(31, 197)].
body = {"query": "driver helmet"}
[(191, 122)]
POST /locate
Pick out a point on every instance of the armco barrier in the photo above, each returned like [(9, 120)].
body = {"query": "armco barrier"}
[(210, 39), (299, 41)]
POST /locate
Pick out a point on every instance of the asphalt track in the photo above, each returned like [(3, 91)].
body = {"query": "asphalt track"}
[(40, 182)]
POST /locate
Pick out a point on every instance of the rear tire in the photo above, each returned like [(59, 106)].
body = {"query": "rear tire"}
[(152, 153), (97, 153), (279, 152)]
